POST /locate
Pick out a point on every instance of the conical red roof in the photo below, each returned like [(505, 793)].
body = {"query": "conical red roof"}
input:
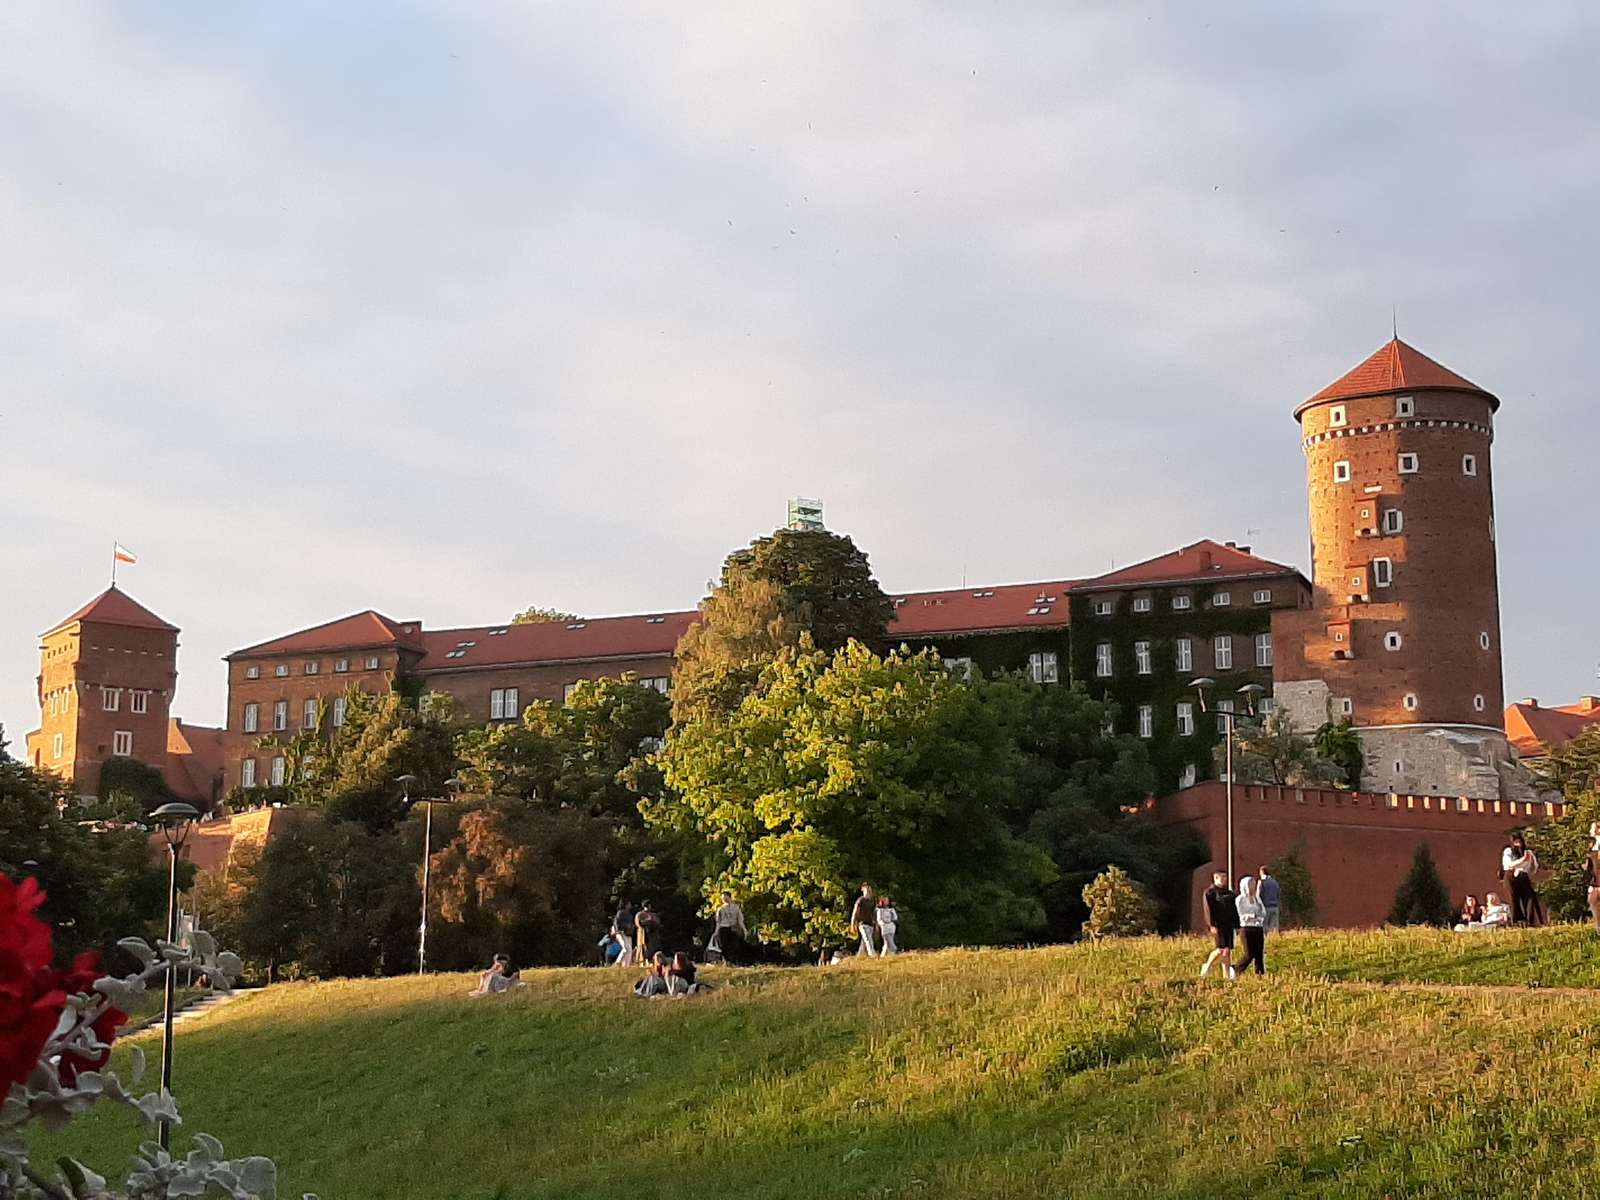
[(1395, 367), (114, 607)]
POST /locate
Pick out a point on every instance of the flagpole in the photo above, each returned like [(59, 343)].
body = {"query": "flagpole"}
[(113, 564)]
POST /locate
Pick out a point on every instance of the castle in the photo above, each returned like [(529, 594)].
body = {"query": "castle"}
[(1397, 631)]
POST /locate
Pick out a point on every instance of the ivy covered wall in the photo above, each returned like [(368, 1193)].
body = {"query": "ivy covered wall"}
[(993, 653)]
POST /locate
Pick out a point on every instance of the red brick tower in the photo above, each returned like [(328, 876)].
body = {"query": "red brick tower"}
[(1404, 634), (106, 678)]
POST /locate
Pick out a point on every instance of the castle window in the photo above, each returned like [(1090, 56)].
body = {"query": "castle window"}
[(252, 718), (1336, 416), (1221, 599), (1147, 721), (139, 702), (1343, 706), (339, 706), (660, 683), (1104, 608), (1180, 603), (312, 668), (1264, 596), (281, 670), (956, 666), (1391, 640), (1102, 660), (277, 771), (1185, 654), (504, 704), (1477, 703), (110, 699), (280, 716), (1382, 572), (1222, 651), (122, 743), (1185, 719), (308, 715), (1410, 464), (1410, 702), (252, 672), (1141, 657), (1141, 604), (566, 693), (341, 665), (1042, 666), (1341, 471), (56, 747), (1483, 640), (1224, 715), (1263, 649), (1393, 520), (1469, 464), (372, 662), (1405, 406), (247, 773)]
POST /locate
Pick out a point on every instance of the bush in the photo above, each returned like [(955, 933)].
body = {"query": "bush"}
[(1118, 907), (1297, 895), (1422, 898)]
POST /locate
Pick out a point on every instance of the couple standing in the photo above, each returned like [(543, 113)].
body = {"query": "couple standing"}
[(1252, 911), (875, 922)]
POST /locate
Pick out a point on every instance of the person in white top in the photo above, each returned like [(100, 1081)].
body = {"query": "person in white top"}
[(1495, 914), (888, 922), (1253, 927), (1517, 867)]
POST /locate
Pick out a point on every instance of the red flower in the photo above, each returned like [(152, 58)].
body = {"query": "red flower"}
[(30, 1004), (78, 980)]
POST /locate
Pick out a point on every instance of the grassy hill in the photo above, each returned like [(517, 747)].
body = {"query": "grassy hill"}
[(1081, 1071)]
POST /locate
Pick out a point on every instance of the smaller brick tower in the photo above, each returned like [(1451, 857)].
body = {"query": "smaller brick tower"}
[(106, 678), (1403, 638)]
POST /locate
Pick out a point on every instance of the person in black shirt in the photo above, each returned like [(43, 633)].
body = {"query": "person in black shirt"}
[(1222, 918)]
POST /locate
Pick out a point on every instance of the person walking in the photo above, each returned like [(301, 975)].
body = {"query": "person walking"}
[(888, 920), (1270, 895), (728, 937), (1252, 926), (647, 934), (1222, 918), (864, 921), (1517, 866), (1591, 873), (622, 929)]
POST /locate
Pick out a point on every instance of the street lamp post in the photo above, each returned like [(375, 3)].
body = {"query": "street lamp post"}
[(177, 820), (1249, 691), (405, 781)]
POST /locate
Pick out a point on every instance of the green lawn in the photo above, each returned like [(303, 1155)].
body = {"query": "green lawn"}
[(1081, 1071)]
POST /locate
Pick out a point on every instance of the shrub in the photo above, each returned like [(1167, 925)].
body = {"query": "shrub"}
[(1422, 898), (1297, 895), (1118, 907)]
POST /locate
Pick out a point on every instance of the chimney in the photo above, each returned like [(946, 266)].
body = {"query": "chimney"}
[(1230, 545), (1531, 702), (1588, 703)]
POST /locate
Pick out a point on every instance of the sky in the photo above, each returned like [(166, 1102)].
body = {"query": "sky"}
[(446, 309)]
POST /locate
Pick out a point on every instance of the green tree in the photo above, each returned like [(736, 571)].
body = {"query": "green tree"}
[(1421, 898), (795, 589), (1297, 894), (139, 782), (1562, 844), (1338, 742), (383, 737), (844, 768), (1273, 751), (1118, 907), (540, 616)]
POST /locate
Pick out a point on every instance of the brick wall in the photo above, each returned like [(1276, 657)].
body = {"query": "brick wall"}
[(471, 686), (1357, 845)]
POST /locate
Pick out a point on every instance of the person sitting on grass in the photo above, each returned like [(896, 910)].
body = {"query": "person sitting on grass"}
[(654, 982), (1471, 914), (680, 976), (1496, 915), (498, 978)]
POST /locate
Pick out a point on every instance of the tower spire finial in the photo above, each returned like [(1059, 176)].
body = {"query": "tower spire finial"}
[(1394, 321)]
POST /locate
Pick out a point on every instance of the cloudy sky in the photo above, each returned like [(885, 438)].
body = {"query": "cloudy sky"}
[(446, 309)]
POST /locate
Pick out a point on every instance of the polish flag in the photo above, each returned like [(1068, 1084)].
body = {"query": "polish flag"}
[(123, 554)]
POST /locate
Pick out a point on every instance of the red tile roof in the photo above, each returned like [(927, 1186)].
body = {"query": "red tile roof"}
[(1394, 367), (194, 761), (978, 609), (645, 635), (355, 632), (1204, 560), (114, 607), (1534, 729)]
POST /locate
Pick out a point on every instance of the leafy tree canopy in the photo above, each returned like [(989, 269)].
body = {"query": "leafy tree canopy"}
[(1118, 907), (132, 780), (1297, 894), (1422, 898), (538, 616), (1338, 742), (1273, 751)]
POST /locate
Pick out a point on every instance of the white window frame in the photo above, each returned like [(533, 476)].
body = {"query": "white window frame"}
[(497, 704), (1381, 576), (57, 747), (1141, 604), (1341, 471), (1469, 464), (956, 666), (281, 671), (1392, 640), (110, 699), (1392, 521), (1042, 667), (1183, 654), (247, 772), (372, 662), (340, 707), (1336, 417), (566, 692), (277, 771), (1410, 701), (1190, 775), (1405, 406), (280, 716), (252, 672), (1221, 599), (1222, 651), (1224, 707), (1103, 667), (139, 701), (1182, 602), (1264, 649), (250, 719), (1409, 463), (312, 668), (341, 665), (308, 714), (1104, 608), (1147, 721), (1185, 719), (122, 743), (1141, 658), (1263, 596), (1478, 703), (1343, 706), (1483, 640)]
